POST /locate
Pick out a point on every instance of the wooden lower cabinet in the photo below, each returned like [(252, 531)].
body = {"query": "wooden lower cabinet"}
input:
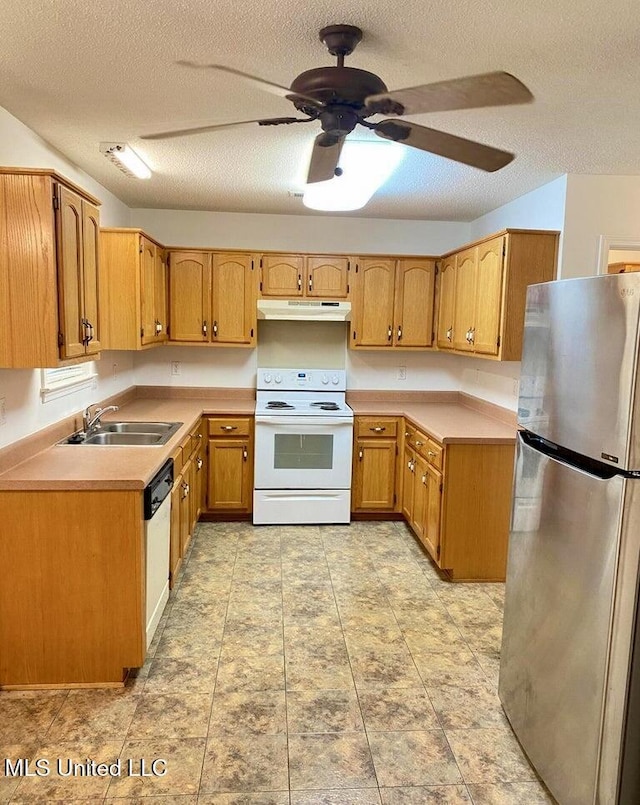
[(230, 465), (457, 500), (375, 465), (72, 603)]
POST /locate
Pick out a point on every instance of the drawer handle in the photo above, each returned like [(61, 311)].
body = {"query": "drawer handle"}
[(228, 427), (245, 454), (419, 443), (424, 480), (449, 333), (199, 463), (378, 429), (299, 282), (406, 434), (360, 455), (204, 328), (389, 333), (310, 282), (215, 329), (431, 454), (400, 333)]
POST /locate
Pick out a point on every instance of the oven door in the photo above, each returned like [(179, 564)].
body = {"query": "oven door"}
[(304, 452)]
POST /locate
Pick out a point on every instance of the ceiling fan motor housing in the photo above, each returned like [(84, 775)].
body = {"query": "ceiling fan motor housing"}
[(337, 85)]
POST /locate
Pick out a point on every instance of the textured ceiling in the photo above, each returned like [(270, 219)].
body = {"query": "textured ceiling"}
[(82, 73)]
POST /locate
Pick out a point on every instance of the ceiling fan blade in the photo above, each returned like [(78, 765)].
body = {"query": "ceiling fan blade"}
[(470, 92), (261, 83), (324, 158), (273, 121), (445, 145)]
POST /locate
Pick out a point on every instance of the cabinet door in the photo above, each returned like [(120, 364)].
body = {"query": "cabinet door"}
[(233, 299), (70, 292), (185, 508), (432, 483), (148, 258), (189, 296), (161, 314), (90, 267), (464, 309), (372, 322), (374, 475), (175, 557), (327, 277), (413, 320), (420, 503), (446, 302), (407, 484), (229, 476), (488, 302), (282, 274)]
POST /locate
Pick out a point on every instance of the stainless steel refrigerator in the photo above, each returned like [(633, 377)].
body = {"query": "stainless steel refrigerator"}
[(569, 675)]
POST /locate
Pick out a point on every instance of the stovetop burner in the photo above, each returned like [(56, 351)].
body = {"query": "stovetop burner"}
[(279, 404), (326, 406)]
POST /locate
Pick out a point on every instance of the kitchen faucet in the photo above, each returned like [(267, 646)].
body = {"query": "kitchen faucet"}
[(91, 422)]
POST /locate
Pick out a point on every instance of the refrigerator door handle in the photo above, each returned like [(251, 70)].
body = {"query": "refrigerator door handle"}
[(568, 457)]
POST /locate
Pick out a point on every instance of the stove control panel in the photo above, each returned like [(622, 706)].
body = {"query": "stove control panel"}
[(310, 379)]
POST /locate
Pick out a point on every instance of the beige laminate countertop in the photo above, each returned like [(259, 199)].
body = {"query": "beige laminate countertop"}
[(62, 466), (80, 467), (446, 422)]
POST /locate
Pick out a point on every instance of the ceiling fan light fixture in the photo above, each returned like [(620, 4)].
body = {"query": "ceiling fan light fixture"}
[(126, 159), (365, 166)]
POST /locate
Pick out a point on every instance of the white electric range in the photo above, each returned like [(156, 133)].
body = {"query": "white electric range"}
[(304, 437)]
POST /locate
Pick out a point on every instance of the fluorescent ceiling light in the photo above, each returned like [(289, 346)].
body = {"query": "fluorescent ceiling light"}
[(126, 159), (366, 165)]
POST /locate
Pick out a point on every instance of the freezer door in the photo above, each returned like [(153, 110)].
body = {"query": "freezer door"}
[(579, 358), (559, 597)]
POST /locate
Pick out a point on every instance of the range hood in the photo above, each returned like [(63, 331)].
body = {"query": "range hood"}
[(303, 310)]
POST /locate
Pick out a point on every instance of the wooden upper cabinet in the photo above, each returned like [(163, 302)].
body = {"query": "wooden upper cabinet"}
[(189, 296), (622, 268), (464, 308), (282, 275), (373, 303), (233, 299), (327, 277), (133, 289), (446, 302), (392, 303), (148, 268), (414, 291), (48, 270), (488, 307)]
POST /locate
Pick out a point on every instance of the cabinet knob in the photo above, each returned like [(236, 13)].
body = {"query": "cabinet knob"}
[(199, 463), (245, 454), (299, 282), (419, 443), (472, 335), (158, 327), (215, 329), (424, 480), (431, 454), (204, 328), (450, 333), (389, 333), (399, 332), (310, 282), (360, 455)]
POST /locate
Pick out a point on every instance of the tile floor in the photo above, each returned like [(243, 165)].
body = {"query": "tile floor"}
[(301, 665)]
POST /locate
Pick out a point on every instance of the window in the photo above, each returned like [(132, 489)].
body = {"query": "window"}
[(64, 380)]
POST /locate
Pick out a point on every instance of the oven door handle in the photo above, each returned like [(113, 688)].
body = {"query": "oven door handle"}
[(286, 421)]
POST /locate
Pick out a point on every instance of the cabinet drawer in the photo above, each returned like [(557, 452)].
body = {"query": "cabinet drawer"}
[(376, 426), (229, 426), (425, 445), (433, 454)]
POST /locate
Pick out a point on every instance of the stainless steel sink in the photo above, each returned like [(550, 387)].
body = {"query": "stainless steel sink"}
[(125, 438), (127, 433), (139, 427)]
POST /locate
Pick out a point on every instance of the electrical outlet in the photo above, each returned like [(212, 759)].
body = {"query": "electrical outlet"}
[(3, 410), (176, 368), (402, 372)]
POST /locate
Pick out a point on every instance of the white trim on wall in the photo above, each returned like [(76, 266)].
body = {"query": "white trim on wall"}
[(608, 242)]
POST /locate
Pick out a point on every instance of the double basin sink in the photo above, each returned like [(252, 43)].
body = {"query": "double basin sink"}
[(127, 434)]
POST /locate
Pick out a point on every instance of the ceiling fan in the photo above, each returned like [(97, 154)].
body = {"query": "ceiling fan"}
[(341, 98)]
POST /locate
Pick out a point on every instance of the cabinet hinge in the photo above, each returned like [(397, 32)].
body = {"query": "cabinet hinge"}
[(348, 265), (261, 262), (252, 265), (354, 335), (347, 289), (396, 449), (260, 286), (504, 247), (168, 259), (252, 332), (142, 332), (356, 268), (438, 551), (437, 268), (433, 337), (441, 487), (60, 339), (56, 201), (498, 342)]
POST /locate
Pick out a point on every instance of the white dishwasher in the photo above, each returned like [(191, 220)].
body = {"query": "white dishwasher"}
[(157, 516)]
